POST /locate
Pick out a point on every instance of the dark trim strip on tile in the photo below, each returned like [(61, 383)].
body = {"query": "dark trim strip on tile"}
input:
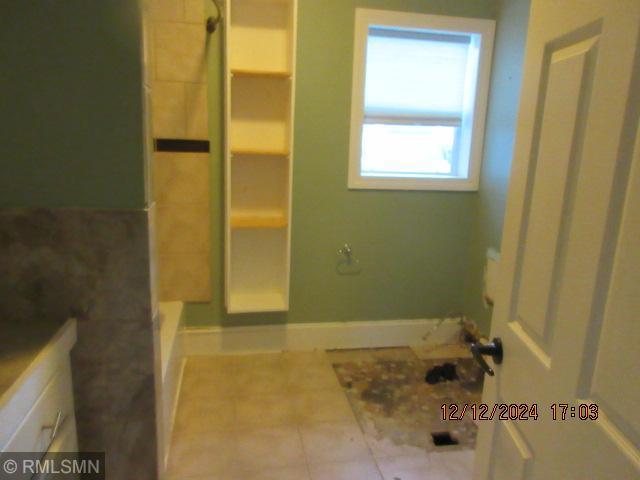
[(181, 145)]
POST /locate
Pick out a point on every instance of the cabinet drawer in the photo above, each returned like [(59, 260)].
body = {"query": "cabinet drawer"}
[(55, 404), (18, 399), (65, 441)]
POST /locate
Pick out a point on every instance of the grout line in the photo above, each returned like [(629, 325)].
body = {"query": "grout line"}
[(355, 417), (164, 204), (375, 462), (184, 106), (304, 452)]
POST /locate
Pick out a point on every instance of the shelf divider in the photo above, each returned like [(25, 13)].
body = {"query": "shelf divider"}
[(245, 72), (259, 152), (258, 220), (257, 302)]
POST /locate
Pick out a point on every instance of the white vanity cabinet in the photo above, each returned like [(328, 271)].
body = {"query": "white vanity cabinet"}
[(36, 410)]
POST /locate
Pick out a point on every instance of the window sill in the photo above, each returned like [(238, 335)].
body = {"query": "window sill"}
[(437, 184)]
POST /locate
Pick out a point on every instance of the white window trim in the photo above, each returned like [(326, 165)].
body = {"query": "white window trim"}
[(368, 17)]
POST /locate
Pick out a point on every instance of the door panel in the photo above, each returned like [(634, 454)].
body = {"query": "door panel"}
[(565, 96), (568, 296), (515, 456), (615, 377)]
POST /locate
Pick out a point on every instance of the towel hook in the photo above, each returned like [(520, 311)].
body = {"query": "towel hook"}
[(348, 265), (212, 22), (346, 251)]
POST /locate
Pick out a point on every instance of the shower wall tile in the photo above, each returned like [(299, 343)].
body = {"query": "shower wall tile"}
[(92, 265), (169, 110), (180, 110), (194, 11), (167, 10), (185, 277), (180, 52), (183, 229), (181, 178), (197, 117), (183, 225)]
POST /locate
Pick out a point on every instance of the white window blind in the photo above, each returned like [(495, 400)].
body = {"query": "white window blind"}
[(415, 74)]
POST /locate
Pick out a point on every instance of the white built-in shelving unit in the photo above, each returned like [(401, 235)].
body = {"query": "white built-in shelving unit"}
[(260, 79)]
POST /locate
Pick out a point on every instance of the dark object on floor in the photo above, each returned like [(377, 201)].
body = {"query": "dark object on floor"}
[(433, 376), (441, 373), (469, 337), (449, 372), (441, 439)]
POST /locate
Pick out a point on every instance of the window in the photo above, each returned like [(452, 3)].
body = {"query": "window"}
[(420, 86)]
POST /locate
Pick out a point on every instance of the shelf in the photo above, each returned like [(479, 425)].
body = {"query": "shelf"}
[(260, 117), (259, 186), (238, 72), (258, 279), (260, 35), (260, 48), (265, 2), (237, 151), (258, 220), (248, 302)]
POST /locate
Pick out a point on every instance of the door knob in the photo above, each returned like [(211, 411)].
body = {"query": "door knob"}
[(493, 349)]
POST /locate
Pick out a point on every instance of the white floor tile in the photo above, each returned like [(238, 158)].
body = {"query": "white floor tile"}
[(266, 410), (334, 442), (362, 470), (268, 448), (198, 454), (458, 464), (313, 406)]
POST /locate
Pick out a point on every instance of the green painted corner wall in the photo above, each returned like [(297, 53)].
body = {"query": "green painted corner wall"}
[(489, 203), (71, 97), (412, 246)]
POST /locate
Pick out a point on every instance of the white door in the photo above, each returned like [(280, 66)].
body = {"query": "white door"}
[(568, 301)]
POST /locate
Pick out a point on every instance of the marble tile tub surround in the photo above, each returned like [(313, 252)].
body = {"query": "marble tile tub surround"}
[(93, 265)]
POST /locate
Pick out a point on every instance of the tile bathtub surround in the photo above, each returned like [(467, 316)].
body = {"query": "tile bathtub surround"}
[(181, 178), (180, 52), (93, 265), (168, 100), (181, 193), (285, 416), (179, 75), (179, 110)]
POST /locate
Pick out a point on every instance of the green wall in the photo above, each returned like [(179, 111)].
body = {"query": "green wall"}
[(489, 203), (412, 246), (71, 104)]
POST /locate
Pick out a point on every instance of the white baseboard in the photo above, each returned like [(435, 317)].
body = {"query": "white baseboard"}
[(326, 336)]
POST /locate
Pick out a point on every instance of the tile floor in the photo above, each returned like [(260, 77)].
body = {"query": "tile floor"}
[(285, 416)]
